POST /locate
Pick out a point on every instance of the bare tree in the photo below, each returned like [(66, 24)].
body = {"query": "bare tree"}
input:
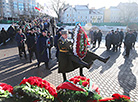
[(128, 12), (58, 6)]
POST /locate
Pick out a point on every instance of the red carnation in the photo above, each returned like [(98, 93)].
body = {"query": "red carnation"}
[(48, 42), (82, 52), (44, 81), (46, 86), (24, 81), (88, 80), (77, 76), (40, 80), (51, 91), (85, 83), (76, 80), (37, 83), (72, 79), (41, 85), (83, 78)]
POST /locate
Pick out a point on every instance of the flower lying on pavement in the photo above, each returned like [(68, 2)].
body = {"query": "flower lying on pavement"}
[(5, 91), (78, 89), (35, 88)]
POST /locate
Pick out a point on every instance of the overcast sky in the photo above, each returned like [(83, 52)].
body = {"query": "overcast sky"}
[(92, 3)]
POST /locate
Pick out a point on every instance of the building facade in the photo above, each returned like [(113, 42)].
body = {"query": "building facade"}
[(15, 9), (112, 15), (124, 12), (81, 14)]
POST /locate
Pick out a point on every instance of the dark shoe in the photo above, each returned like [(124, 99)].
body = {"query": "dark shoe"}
[(20, 56), (127, 56), (30, 61), (38, 64), (105, 60), (81, 74)]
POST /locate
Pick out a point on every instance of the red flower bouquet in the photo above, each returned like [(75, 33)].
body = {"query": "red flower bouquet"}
[(5, 91), (78, 89), (35, 88)]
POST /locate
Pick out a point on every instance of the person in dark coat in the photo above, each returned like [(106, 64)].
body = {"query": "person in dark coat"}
[(68, 61), (135, 33), (42, 49), (50, 37), (115, 40), (99, 37), (121, 34), (4, 36), (95, 38), (31, 44), (20, 39), (52, 21), (129, 39), (11, 32), (91, 36), (58, 34), (46, 25), (108, 41)]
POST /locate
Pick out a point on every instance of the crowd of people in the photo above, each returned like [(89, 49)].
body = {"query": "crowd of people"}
[(115, 39), (40, 35), (9, 33), (37, 34)]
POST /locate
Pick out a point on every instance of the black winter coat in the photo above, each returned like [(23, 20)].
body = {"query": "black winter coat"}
[(11, 31), (4, 35), (115, 39), (31, 41), (20, 39), (108, 40), (129, 39), (42, 49)]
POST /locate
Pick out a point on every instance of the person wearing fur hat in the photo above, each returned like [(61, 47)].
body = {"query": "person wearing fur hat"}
[(42, 49), (69, 61)]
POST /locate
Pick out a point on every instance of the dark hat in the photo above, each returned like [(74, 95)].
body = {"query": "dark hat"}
[(64, 32), (60, 29), (44, 31)]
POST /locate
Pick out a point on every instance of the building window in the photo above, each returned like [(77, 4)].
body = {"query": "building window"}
[(15, 5), (21, 6)]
